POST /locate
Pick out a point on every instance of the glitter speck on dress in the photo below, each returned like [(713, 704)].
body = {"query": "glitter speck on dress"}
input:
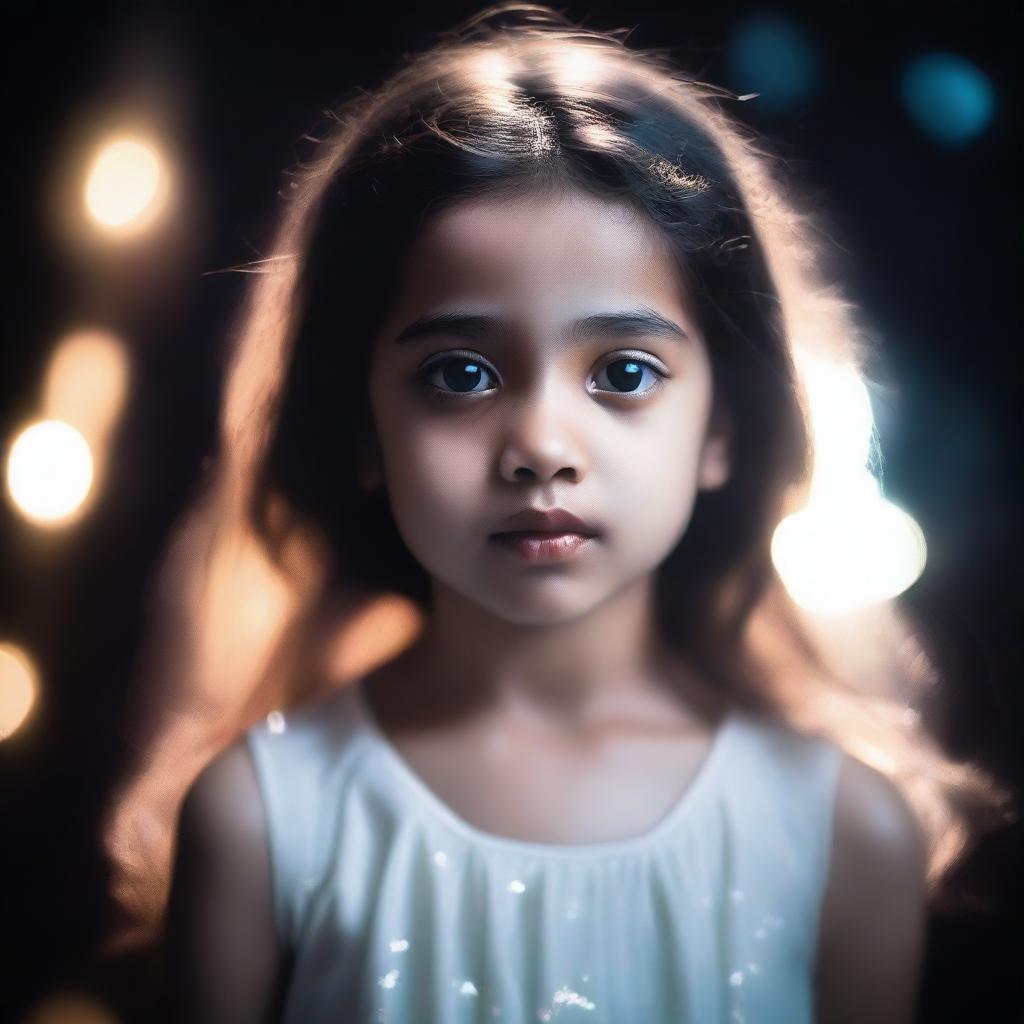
[(440, 858), (516, 886), (276, 722), (565, 996), (389, 980), (398, 945)]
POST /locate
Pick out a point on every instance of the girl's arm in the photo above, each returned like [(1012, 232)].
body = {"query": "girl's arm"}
[(222, 964), (874, 911)]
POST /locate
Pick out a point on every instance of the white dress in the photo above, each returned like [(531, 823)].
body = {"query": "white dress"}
[(397, 911)]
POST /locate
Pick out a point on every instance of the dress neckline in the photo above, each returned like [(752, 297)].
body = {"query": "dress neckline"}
[(706, 773)]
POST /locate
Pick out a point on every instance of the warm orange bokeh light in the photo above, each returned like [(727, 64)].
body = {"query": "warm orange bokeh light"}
[(86, 384), (71, 1009), (18, 688)]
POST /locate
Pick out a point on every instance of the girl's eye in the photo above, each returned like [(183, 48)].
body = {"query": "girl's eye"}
[(461, 375), (628, 372)]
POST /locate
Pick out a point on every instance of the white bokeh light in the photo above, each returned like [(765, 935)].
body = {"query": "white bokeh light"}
[(838, 557), (849, 547), (123, 182), (49, 471), (842, 423)]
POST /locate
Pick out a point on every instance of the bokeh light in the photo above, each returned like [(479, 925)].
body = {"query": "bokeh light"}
[(67, 1008), (124, 184), (18, 688), (843, 556), (49, 472), (849, 548), (86, 383), (841, 424), (950, 99), (775, 57)]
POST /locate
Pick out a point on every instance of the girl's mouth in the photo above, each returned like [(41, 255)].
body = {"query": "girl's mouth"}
[(538, 546)]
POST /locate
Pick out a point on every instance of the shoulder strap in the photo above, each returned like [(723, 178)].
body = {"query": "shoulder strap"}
[(783, 793), (294, 752)]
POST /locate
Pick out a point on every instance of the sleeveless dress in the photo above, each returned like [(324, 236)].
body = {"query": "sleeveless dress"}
[(397, 911)]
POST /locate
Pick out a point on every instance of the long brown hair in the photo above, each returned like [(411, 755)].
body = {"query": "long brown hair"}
[(519, 99)]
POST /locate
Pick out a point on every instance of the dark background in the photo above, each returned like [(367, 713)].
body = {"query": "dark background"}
[(927, 239)]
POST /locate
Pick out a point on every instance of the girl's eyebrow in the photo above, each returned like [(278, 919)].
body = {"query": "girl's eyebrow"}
[(642, 321)]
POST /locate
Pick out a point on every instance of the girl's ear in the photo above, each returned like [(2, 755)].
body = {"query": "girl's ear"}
[(716, 457)]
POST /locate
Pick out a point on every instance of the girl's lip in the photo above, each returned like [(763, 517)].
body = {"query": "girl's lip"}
[(554, 520), (542, 546), (543, 534)]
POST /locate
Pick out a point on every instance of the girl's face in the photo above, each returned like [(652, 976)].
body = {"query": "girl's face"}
[(474, 425)]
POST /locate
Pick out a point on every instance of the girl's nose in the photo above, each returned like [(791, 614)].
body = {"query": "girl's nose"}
[(540, 443)]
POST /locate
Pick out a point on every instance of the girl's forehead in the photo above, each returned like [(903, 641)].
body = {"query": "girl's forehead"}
[(570, 232), (556, 257)]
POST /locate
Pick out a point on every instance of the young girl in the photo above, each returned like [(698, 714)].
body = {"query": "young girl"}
[(528, 360)]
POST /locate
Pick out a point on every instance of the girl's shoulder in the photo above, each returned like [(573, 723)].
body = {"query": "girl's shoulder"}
[(877, 837), (220, 911), (874, 909), (871, 809), (225, 793)]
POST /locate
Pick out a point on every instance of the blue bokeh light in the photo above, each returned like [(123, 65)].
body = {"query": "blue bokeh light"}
[(950, 99), (775, 57)]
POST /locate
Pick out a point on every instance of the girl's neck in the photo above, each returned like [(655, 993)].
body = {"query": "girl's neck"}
[(608, 665)]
